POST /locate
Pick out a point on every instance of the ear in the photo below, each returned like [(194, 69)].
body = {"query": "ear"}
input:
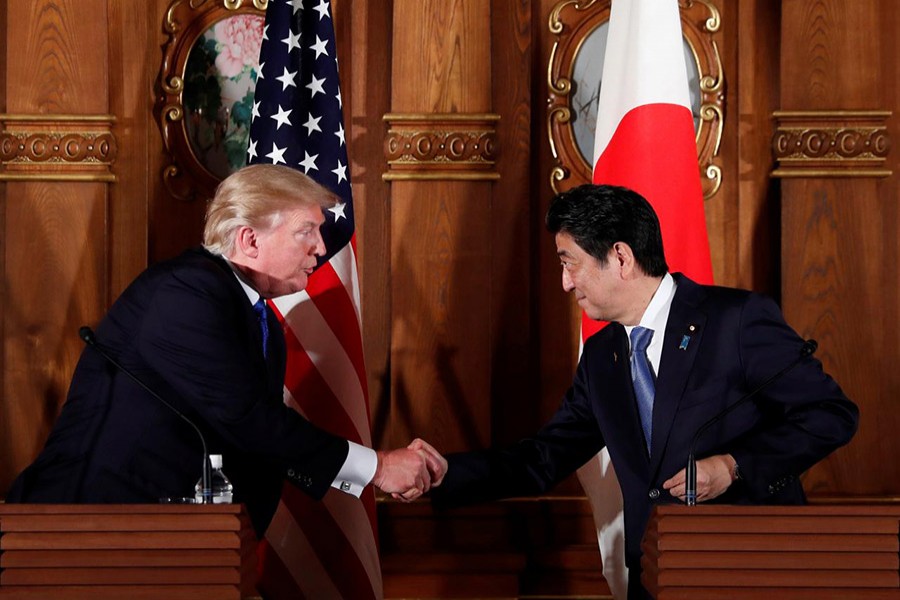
[(246, 242), (624, 257)]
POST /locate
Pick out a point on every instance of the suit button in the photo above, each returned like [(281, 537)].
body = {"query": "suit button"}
[(654, 494)]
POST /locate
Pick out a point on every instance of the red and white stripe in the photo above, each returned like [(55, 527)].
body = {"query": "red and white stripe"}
[(645, 140), (325, 549)]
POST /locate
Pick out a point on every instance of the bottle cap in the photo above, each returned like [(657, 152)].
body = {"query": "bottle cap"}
[(215, 460)]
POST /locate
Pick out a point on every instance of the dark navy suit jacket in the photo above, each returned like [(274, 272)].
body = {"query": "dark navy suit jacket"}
[(186, 328), (736, 341)]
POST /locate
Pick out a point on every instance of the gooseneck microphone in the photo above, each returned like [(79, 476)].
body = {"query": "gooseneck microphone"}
[(87, 335), (690, 485)]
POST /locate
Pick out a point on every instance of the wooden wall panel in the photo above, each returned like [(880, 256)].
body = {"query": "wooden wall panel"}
[(514, 224), (440, 243), (54, 268), (441, 51), (133, 62), (839, 251), (753, 50), (441, 234), (367, 85)]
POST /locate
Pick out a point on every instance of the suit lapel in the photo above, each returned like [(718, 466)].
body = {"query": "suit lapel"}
[(684, 332)]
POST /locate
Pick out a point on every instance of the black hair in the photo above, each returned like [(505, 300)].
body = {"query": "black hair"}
[(598, 216)]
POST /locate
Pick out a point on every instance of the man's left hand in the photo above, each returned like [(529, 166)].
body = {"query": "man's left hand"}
[(714, 475)]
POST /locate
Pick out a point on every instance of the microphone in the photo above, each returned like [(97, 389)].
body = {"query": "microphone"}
[(87, 335), (690, 486)]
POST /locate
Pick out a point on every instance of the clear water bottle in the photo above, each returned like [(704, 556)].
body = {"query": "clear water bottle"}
[(222, 490)]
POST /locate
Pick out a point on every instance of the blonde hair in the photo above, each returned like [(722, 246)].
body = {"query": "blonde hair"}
[(256, 196)]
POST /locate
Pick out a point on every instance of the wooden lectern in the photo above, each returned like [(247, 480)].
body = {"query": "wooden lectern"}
[(132, 552), (837, 552)]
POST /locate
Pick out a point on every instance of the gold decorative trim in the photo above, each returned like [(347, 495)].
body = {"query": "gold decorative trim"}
[(571, 22), (82, 177), (839, 143), (440, 117), (450, 146), (172, 24), (57, 147), (440, 176), (53, 118)]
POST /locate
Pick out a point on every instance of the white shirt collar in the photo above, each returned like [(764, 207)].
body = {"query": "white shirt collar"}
[(252, 294), (655, 317)]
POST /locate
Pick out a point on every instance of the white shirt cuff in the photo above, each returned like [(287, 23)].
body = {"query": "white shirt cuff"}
[(357, 471)]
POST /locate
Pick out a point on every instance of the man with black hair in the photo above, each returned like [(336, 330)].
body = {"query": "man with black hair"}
[(674, 355)]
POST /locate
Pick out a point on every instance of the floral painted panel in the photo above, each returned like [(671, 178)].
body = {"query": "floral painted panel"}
[(220, 78)]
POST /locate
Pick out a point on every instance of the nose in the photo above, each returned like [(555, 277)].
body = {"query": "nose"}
[(567, 284), (319, 248)]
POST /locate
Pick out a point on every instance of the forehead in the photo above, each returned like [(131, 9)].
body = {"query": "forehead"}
[(303, 215), (567, 246)]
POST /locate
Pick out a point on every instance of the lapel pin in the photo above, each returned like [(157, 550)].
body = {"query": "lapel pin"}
[(686, 338)]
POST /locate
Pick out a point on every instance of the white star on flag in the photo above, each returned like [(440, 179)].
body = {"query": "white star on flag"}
[(319, 47), (340, 134), (341, 172), (312, 124), (315, 86), (322, 9), (276, 155), (309, 162), (338, 210), (287, 79), (292, 41), (282, 117), (251, 150)]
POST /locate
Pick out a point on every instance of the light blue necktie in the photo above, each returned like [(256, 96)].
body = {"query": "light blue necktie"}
[(262, 316), (642, 376)]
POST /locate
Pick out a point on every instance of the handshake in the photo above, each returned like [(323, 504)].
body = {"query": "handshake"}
[(409, 472)]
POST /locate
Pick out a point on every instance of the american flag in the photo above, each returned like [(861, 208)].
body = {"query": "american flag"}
[(315, 549)]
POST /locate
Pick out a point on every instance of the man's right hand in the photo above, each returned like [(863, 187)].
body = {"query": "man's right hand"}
[(409, 472), (402, 473)]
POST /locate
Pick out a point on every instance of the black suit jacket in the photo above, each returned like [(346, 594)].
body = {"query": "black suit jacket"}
[(187, 329), (736, 340)]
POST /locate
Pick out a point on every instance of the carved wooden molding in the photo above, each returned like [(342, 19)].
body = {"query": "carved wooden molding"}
[(57, 147), (831, 143), (441, 146)]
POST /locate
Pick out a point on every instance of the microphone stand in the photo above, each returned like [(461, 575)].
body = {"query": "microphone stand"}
[(690, 485), (87, 335)]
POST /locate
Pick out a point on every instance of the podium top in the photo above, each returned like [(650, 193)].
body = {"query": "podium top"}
[(120, 509), (809, 510)]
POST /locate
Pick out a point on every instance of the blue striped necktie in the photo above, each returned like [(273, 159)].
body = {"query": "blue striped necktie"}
[(262, 316), (642, 377)]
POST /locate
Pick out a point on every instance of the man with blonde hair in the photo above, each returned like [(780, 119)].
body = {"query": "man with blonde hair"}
[(196, 330)]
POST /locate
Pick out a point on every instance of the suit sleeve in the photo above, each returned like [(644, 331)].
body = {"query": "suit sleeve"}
[(531, 466), (197, 338), (804, 416)]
